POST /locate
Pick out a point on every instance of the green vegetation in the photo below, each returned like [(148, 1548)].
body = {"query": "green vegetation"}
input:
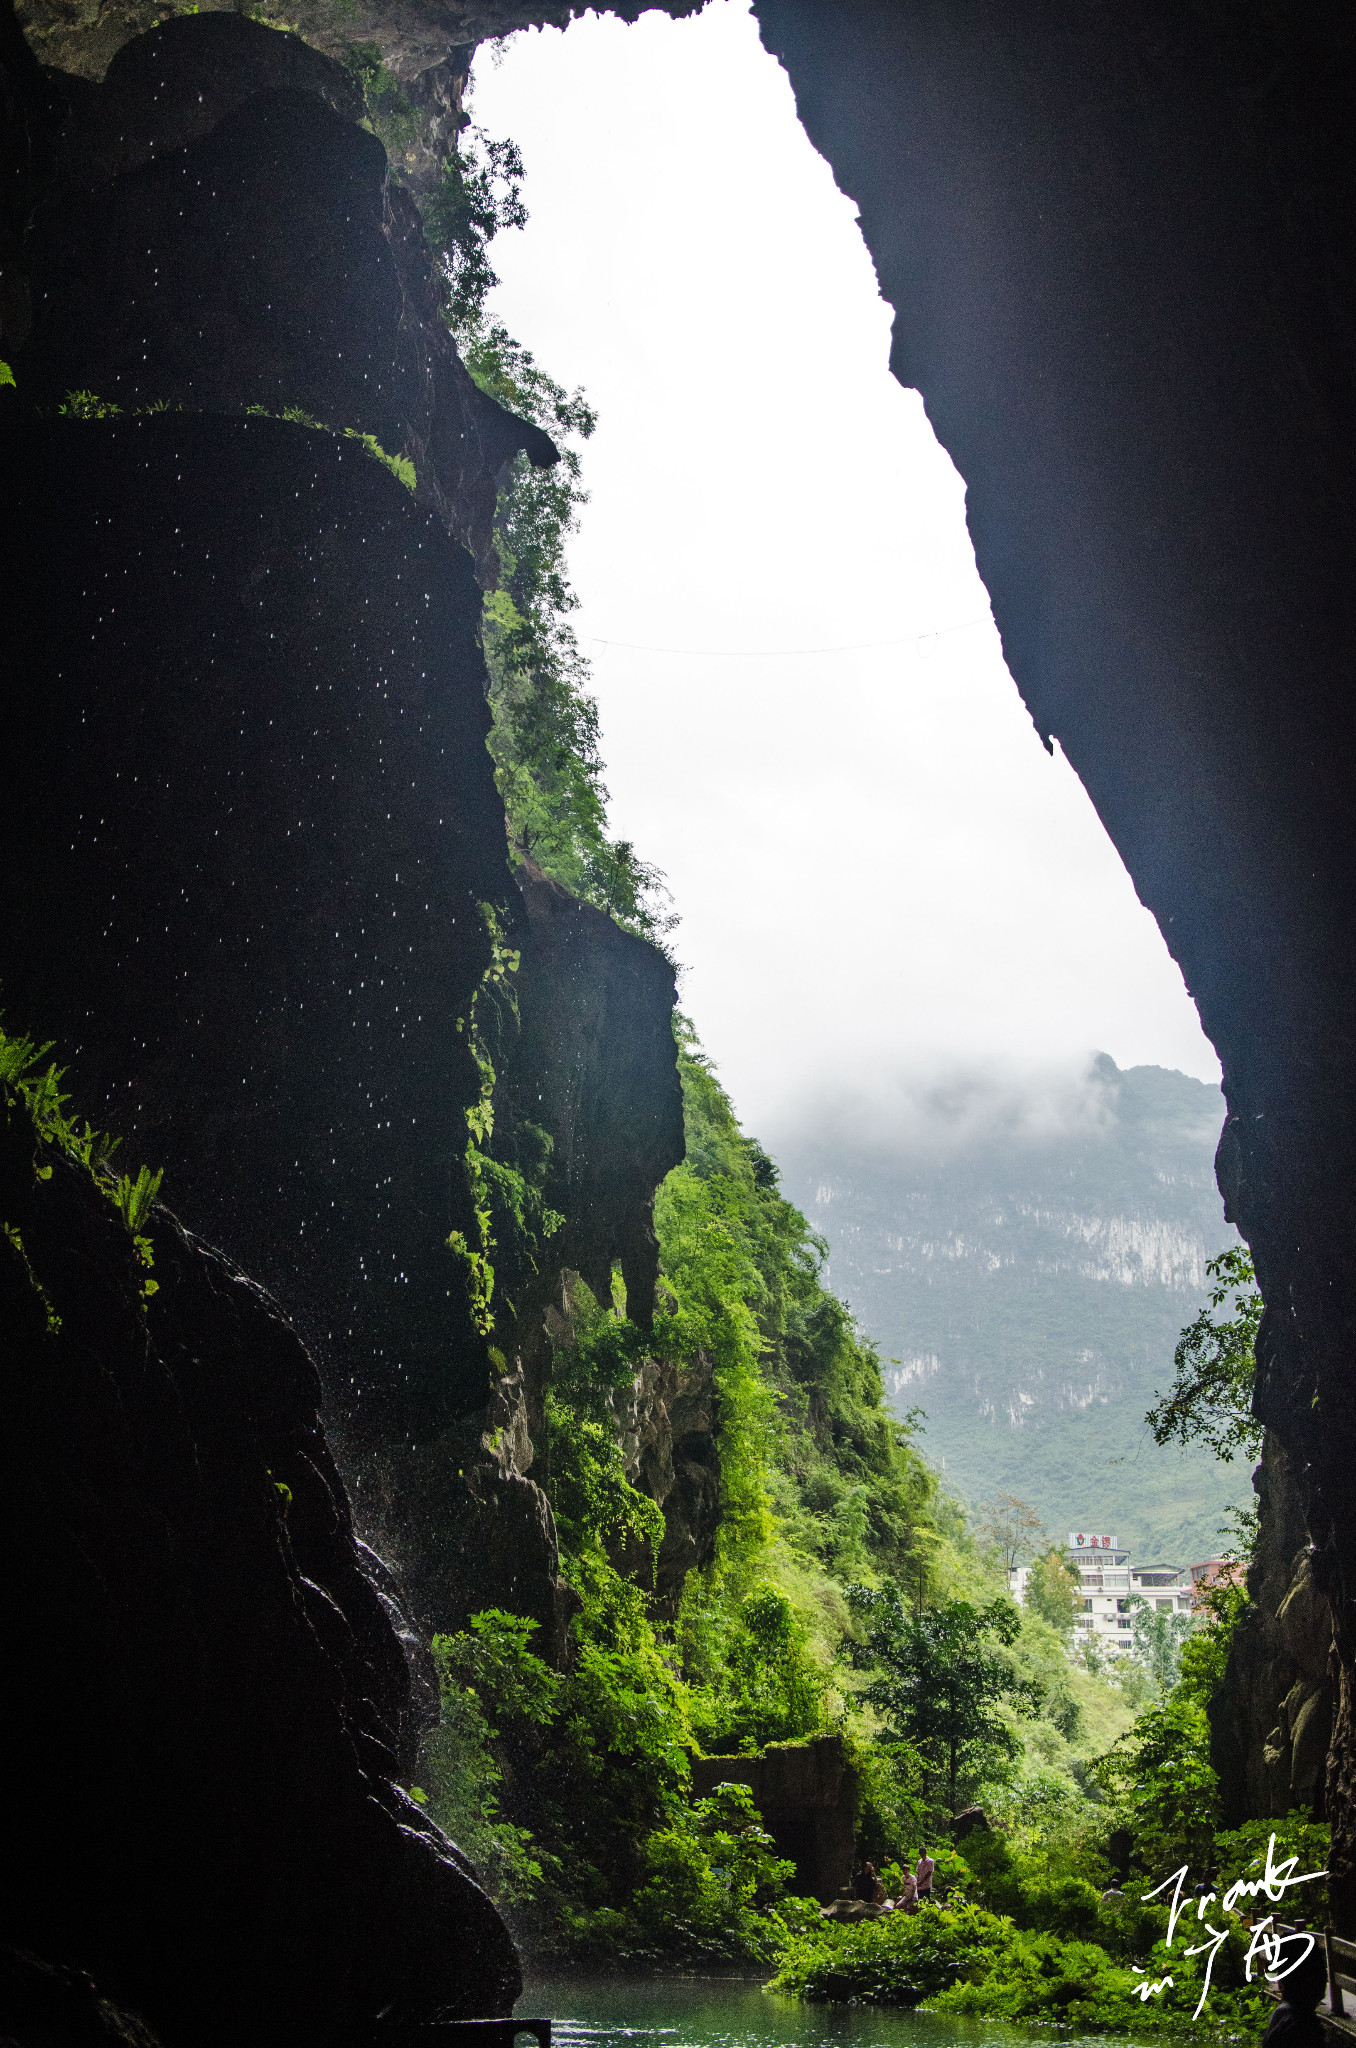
[(390, 115), (400, 466), (30, 1078), (1053, 1590), (843, 1592), (1210, 1401), (478, 194), (940, 1677), (968, 1961), (87, 405), (575, 1787), (545, 738), (1049, 1311), (505, 1170), (1061, 1913)]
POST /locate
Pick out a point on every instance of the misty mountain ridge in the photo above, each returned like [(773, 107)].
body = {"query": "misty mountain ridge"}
[(1027, 1267)]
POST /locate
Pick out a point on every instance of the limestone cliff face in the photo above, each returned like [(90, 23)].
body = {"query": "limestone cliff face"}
[(253, 813), (592, 1062), (583, 1058), (1271, 1722), (215, 231), (667, 1424), (807, 1794)]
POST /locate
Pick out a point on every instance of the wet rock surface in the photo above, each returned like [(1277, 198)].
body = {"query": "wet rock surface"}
[(250, 826), (583, 1055), (1271, 1721), (211, 228), (202, 1657), (592, 1061), (250, 837), (415, 36)]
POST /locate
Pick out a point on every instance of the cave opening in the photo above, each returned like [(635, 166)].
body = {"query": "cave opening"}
[(423, 1089), (904, 933)]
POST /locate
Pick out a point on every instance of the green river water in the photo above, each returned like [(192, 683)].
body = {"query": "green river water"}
[(715, 2012)]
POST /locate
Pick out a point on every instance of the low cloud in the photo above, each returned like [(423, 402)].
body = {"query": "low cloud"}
[(944, 1110)]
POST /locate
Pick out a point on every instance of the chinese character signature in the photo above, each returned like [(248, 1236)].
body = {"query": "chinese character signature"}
[(1268, 1944)]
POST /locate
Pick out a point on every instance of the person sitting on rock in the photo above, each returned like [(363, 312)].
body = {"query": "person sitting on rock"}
[(869, 1886), (907, 1902)]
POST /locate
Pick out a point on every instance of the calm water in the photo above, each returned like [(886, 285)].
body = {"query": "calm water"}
[(715, 2012)]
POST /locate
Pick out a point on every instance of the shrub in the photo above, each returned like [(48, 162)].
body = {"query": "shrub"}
[(899, 1960), (965, 1960), (709, 1879)]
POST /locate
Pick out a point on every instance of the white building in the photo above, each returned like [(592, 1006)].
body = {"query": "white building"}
[(1107, 1580)]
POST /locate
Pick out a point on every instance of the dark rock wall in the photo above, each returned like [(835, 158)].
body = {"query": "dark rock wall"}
[(581, 1045), (1120, 240), (806, 1793), (667, 1422), (592, 1061), (250, 821), (248, 834), (211, 228), (415, 36), (1271, 1721), (207, 1703)]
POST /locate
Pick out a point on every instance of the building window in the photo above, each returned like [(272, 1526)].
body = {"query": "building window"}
[(1087, 1607), (1125, 1622)]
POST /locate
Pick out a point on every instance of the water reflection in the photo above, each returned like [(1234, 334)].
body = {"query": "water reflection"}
[(714, 2012)]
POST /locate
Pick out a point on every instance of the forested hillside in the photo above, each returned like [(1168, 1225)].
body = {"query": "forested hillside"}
[(733, 1495), (1028, 1293)]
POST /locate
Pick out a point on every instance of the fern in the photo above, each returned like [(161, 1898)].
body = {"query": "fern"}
[(87, 405), (134, 1199), (38, 1087)]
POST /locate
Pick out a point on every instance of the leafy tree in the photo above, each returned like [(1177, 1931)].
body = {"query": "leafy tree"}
[(762, 1684), (545, 736), (1159, 1637), (478, 195), (1011, 1526), (497, 1696), (1052, 1590), (1160, 1777), (940, 1677), (706, 1881), (1210, 1401), (388, 108)]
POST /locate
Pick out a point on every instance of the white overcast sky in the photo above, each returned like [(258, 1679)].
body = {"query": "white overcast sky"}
[(883, 878)]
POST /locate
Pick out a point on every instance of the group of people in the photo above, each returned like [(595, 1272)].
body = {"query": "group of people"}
[(915, 1891)]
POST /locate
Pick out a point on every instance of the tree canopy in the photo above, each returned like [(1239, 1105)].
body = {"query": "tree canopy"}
[(940, 1677), (1012, 1526), (1210, 1400)]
